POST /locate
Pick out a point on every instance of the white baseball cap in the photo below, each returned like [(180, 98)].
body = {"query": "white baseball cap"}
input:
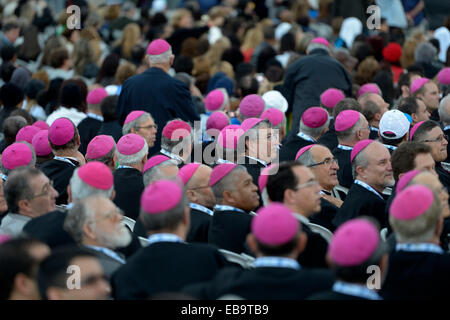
[(394, 124), (274, 99)]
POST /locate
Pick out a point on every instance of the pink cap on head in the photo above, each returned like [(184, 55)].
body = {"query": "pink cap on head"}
[(411, 202), (405, 179), (359, 147), (161, 196), (130, 144), (61, 131), (215, 100), (154, 161), (275, 116), (16, 155), (218, 120), (314, 117), (4, 238), (96, 96), (303, 150), (321, 40), (157, 47), (414, 129), (369, 87), (251, 106), (99, 146), (220, 171), (444, 76), (330, 97), (249, 123), (353, 243), (229, 136), (346, 119), (41, 125), (418, 84), (274, 225), (187, 171), (40, 143), (133, 115), (27, 133), (264, 177), (176, 129), (97, 175)]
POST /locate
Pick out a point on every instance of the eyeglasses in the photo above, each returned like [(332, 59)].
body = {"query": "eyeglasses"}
[(307, 185), (45, 190), (328, 162), (152, 126), (438, 139)]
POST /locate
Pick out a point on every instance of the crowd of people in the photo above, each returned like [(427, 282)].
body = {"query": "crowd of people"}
[(205, 149)]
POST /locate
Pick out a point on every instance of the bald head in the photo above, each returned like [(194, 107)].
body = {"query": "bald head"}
[(198, 189)]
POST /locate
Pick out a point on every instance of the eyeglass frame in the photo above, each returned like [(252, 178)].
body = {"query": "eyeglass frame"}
[(331, 160), (444, 136), (44, 193), (307, 185), (155, 126)]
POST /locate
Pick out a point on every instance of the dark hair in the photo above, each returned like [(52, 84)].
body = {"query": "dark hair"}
[(58, 57), (284, 179), (17, 187), (53, 269), (24, 114), (392, 142), (385, 81), (264, 57), (8, 52), (248, 85), (287, 43), (30, 48), (108, 68), (73, 94), (244, 69), (269, 33), (49, 99), (10, 26), (108, 107), (7, 70), (16, 259), (423, 129), (402, 159), (233, 55), (11, 95), (346, 104), (274, 73), (280, 250), (183, 64), (11, 126), (408, 105), (33, 87)]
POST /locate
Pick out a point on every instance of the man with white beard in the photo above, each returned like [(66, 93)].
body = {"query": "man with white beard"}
[(96, 223)]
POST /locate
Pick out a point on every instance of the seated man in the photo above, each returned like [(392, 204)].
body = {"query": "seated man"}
[(16, 155), (159, 167), (103, 149), (141, 123), (393, 129), (177, 141), (373, 108)]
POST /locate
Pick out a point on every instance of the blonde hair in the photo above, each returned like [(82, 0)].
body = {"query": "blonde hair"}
[(214, 54), (124, 71), (91, 34), (366, 70), (409, 47), (253, 37), (223, 66), (177, 16), (131, 35)]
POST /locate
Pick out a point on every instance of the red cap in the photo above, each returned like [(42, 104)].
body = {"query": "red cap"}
[(97, 175), (157, 47)]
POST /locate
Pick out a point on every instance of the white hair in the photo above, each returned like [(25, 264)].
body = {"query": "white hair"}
[(135, 123), (155, 173), (80, 189), (133, 158), (444, 115), (314, 45), (162, 58)]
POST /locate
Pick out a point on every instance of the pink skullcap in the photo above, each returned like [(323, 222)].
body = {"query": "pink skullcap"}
[(353, 243), (16, 155), (130, 144), (187, 171), (321, 40), (61, 131), (330, 97), (99, 146), (176, 129), (249, 123), (157, 47), (4, 238), (96, 96), (133, 115), (27, 133), (41, 125), (218, 120), (154, 161), (251, 106), (220, 171), (314, 117), (264, 177), (405, 179), (40, 143), (161, 196), (275, 116), (411, 202), (418, 83), (229, 136), (97, 175), (369, 87), (444, 76), (303, 150), (414, 129), (274, 225), (215, 100), (359, 147), (346, 119)]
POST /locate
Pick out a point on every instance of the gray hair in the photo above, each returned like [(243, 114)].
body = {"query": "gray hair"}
[(17, 187), (350, 132), (163, 58), (155, 173), (314, 132), (81, 190), (313, 46), (77, 216), (425, 52), (170, 145), (361, 160), (228, 183), (306, 158), (32, 163), (135, 124), (444, 105), (253, 133), (107, 158), (133, 158)]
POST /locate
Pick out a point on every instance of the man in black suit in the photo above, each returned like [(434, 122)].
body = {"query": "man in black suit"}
[(195, 177), (296, 187), (355, 252), (103, 149), (177, 141), (132, 151), (141, 123), (371, 167), (276, 239), (156, 92), (428, 92), (168, 263), (444, 116), (159, 167), (373, 108)]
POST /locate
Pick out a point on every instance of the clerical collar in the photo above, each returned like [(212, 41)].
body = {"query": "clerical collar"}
[(66, 159), (94, 116), (258, 160), (220, 207), (164, 237), (277, 262), (419, 247), (201, 208), (305, 137), (353, 289), (367, 187), (222, 161), (173, 156), (108, 252), (342, 147)]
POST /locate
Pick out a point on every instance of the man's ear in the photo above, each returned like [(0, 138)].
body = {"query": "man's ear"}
[(88, 232), (23, 204), (377, 116), (228, 197)]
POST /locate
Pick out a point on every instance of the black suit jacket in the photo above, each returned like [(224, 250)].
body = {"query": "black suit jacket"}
[(60, 172), (264, 283), (166, 267), (289, 150), (315, 251), (326, 215), (88, 129), (111, 128), (329, 139), (332, 295), (129, 185), (198, 230), (344, 173), (444, 176)]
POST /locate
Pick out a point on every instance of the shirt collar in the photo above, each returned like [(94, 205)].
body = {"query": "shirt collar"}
[(110, 253), (223, 207), (258, 160), (278, 262), (173, 156), (367, 187), (354, 289), (419, 247), (302, 218), (94, 116), (164, 237), (201, 208), (306, 137)]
